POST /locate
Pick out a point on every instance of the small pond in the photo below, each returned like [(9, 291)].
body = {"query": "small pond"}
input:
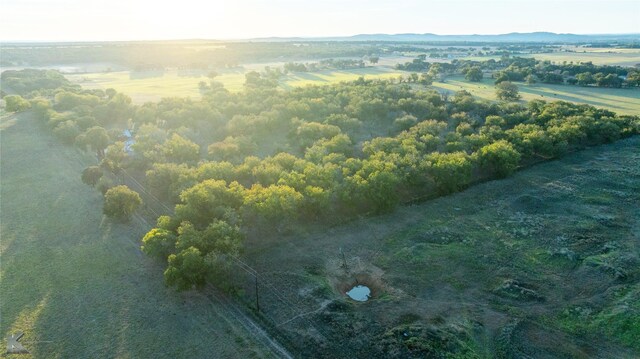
[(360, 293)]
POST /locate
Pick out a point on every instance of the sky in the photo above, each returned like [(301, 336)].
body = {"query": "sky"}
[(106, 20)]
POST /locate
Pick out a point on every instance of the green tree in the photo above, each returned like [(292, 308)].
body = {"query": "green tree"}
[(15, 103), (450, 171), (633, 78), (186, 269), (120, 202), (180, 150), (67, 131), (507, 91), (219, 237), (98, 138), (426, 79), (435, 71), (310, 132), (473, 74), (276, 202), (501, 77), (530, 79), (91, 175), (207, 201), (585, 79), (158, 243), (499, 158)]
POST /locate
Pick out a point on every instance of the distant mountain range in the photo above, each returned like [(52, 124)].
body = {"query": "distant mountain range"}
[(511, 37)]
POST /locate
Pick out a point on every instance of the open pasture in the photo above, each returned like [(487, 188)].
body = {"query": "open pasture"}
[(543, 264), (76, 283), (622, 101)]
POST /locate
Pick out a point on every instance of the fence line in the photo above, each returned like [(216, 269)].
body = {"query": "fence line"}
[(260, 281)]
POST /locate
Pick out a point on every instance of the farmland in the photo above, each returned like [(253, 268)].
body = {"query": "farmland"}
[(77, 284)]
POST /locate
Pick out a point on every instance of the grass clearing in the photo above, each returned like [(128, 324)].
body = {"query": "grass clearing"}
[(622, 101), (147, 86), (153, 86), (598, 56), (612, 57), (76, 283), (300, 79), (499, 268)]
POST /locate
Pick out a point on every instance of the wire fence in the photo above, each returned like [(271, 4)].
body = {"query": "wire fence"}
[(283, 311)]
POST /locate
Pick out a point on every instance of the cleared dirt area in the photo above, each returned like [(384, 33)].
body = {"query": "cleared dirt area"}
[(77, 284), (544, 264)]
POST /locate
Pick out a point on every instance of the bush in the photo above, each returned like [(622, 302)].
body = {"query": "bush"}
[(91, 175), (15, 103), (499, 158), (507, 91), (120, 202)]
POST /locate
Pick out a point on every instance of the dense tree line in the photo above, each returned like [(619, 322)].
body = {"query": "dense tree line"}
[(266, 159), (532, 70), (326, 64), (333, 152)]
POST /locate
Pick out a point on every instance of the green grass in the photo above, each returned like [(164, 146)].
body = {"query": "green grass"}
[(622, 101), (445, 261), (629, 57), (76, 283), (153, 86), (599, 56), (300, 79)]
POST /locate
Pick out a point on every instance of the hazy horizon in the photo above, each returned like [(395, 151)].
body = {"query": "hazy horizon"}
[(143, 20)]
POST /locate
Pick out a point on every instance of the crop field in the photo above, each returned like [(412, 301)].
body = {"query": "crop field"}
[(77, 284), (544, 264), (623, 101)]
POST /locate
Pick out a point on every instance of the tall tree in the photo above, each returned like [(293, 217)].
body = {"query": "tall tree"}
[(120, 202), (98, 138), (507, 91), (473, 74), (91, 175)]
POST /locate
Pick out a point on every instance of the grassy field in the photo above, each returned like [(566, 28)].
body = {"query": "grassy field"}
[(545, 264), (599, 56), (330, 77), (152, 86), (76, 283), (620, 57), (623, 101)]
